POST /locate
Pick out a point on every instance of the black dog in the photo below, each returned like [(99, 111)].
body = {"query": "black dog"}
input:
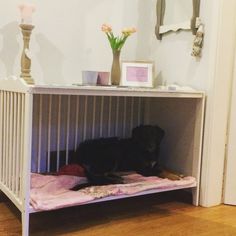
[(101, 158)]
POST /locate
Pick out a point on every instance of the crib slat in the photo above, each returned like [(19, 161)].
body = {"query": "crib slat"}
[(58, 131), (139, 110), (14, 142), (77, 121), (7, 139), (85, 117), (117, 115), (1, 134), (40, 133), (10, 157), (109, 116), (49, 132), (68, 129), (132, 114), (4, 138), (124, 116), (94, 117), (22, 126), (101, 116), (18, 143)]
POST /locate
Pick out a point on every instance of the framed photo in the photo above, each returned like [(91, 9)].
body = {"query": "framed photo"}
[(137, 74)]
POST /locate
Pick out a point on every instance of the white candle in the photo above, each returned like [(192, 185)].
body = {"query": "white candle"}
[(26, 11)]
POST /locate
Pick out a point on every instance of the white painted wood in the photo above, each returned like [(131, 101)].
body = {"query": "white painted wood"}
[(113, 91), (68, 129), (27, 149), (85, 117), (1, 136), (17, 85), (14, 143), (124, 117), (77, 121), (18, 143), (175, 27), (10, 181), (182, 121), (230, 170), (58, 131), (120, 118), (40, 114), (49, 132), (101, 116), (7, 139), (131, 195), (117, 115), (218, 96), (94, 117)]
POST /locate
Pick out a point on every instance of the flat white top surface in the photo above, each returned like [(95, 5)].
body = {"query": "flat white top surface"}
[(113, 91)]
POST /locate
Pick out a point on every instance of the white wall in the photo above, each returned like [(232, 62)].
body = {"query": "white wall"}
[(67, 39), (67, 36)]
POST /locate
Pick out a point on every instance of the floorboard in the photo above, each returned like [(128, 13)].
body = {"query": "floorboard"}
[(167, 214)]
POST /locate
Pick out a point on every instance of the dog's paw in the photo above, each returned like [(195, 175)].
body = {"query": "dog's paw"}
[(173, 176), (115, 179), (170, 175)]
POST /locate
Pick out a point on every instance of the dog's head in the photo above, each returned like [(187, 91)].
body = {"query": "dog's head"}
[(148, 137)]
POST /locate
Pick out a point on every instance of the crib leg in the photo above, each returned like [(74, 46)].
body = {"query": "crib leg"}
[(25, 223)]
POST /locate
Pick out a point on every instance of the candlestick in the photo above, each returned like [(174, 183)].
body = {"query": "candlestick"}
[(25, 57), (26, 11)]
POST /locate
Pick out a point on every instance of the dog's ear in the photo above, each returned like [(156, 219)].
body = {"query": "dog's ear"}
[(160, 133), (137, 132)]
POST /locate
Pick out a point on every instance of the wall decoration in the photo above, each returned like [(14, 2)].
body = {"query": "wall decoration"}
[(137, 74), (181, 9)]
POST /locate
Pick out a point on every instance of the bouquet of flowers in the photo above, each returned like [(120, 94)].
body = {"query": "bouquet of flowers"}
[(117, 42)]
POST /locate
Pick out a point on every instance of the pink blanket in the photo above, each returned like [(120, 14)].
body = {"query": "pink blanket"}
[(53, 192)]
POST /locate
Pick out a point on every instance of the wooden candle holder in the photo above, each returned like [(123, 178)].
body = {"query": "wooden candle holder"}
[(25, 59)]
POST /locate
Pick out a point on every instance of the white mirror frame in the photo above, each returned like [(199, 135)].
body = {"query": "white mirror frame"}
[(192, 24)]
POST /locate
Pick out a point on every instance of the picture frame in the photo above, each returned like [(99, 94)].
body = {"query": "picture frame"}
[(137, 74)]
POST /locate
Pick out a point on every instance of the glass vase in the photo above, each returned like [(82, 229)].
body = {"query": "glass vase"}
[(115, 68)]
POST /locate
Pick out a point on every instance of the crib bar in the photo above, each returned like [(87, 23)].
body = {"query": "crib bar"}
[(22, 164), (40, 132), (139, 110), (14, 143), (94, 117), (76, 122), (101, 116), (4, 138), (63, 121), (11, 121), (12, 146), (27, 105), (68, 129), (132, 113), (7, 139), (85, 117), (18, 144), (58, 131), (124, 117), (109, 116), (49, 132), (117, 115), (1, 134)]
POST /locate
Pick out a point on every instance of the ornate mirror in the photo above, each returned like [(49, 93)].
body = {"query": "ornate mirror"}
[(174, 15)]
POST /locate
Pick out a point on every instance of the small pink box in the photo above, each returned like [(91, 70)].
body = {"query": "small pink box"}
[(103, 78)]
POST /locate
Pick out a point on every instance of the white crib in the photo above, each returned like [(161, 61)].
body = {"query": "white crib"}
[(36, 120)]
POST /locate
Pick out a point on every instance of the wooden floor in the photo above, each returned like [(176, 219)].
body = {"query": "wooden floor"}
[(142, 216)]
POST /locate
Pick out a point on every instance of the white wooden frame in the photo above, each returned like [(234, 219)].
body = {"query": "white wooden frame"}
[(148, 66), (20, 117)]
